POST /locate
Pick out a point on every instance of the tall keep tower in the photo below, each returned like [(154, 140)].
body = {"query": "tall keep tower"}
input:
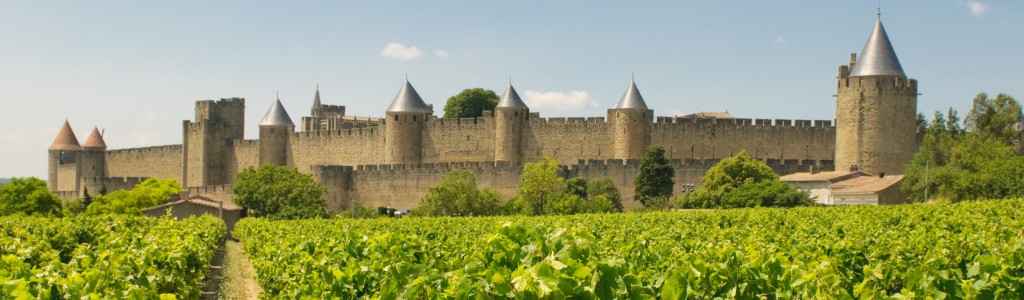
[(876, 108), (275, 129), (510, 118), (630, 122), (403, 128)]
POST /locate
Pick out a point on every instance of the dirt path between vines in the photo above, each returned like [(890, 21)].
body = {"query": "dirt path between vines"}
[(239, 277)]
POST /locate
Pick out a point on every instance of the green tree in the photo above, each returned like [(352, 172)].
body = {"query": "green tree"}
[(996, 118), (539, 183), (148, 193), (470, 103), (941, 135), (654, 179), (603, 187), (577, 186), (29, 196), (279, 192), (457, 195), (743, 181), (86, 198)]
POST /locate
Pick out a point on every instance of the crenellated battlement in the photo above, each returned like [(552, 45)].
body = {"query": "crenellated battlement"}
[(144, 150), (753, 123), (338, 133)]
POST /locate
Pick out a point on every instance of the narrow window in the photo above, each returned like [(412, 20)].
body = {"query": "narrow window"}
[(396, 118), (414, 118)]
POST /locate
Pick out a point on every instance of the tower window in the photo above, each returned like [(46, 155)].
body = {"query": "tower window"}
[(414, 118), (396, 118)]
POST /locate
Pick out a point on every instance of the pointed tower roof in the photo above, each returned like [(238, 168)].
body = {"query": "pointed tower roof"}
[(408, 100), (632, 98), (878, 58), (95, 140), (316, 98), (511, 99), (66, 140), (276, 116)]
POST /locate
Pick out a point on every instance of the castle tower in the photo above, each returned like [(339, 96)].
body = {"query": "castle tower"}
[(630, 122), (510, 119), (403, 127), (92, 158), (63, 156), (207, 142), (275, 129), (876, 110)]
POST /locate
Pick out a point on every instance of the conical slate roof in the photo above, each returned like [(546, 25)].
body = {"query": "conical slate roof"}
[(878, 58), (408, 100), (632, 98), (276, 116), (95, 140), (511, 99), (66, 140)]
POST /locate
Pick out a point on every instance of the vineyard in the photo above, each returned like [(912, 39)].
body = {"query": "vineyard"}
[(109, 257), (970, 250)]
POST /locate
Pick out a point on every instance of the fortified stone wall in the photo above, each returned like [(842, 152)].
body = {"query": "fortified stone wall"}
[(699, 138), (223, 192), (336, 147), (403, 186), (455, 140), (246, 154), (96, 184), (155, 162), (566, 139)]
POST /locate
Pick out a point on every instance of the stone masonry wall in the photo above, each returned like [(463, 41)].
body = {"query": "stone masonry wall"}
[(156, 162)]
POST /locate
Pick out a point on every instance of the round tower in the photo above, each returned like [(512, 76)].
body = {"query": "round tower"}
[(630, 122), (93, 155), (510, 117), (876, 110), (63, 156), (403, 127), (275, 130)]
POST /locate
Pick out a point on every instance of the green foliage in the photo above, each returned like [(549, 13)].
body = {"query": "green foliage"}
[(279, 192), (577, 186), (151, 192), (654, 179), (768, 193), (457, 195), (28, 196), (470, 103), (728, 175), (105, 257), (981, 162), (962, 251), (358, 211), (995, 118), (538, 184), (603, 189)]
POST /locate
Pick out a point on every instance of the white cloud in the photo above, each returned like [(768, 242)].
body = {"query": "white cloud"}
[(780, 40), (399, 51), (441, 53), (574, 100), (975, 7)]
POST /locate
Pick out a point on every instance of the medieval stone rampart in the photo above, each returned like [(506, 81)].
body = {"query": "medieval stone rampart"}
[(156, 162)]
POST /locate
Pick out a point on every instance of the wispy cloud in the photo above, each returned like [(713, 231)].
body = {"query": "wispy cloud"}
[(441, 53), (399, 51), (573, 100), (779, 40), (976, 8)]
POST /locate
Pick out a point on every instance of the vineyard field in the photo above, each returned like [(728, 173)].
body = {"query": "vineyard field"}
[(107, 257), (967, 250)]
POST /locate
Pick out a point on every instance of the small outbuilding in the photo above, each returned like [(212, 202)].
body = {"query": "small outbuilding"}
[(849, 188), (199, 205)]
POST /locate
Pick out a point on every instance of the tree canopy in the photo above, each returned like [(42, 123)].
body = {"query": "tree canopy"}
[(653, 182), (279, 192), (151, 192), (744, 181), (29, 196), (539, 183), (470, 103), (980, 160), (457, 195)]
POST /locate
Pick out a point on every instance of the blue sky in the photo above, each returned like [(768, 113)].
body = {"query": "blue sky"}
[(135, 68)]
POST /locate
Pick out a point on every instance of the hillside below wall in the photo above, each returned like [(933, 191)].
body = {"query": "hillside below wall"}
[(155, 162)]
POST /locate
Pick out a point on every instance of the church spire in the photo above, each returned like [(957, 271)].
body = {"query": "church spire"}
[(316, 102), (878, 57)]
